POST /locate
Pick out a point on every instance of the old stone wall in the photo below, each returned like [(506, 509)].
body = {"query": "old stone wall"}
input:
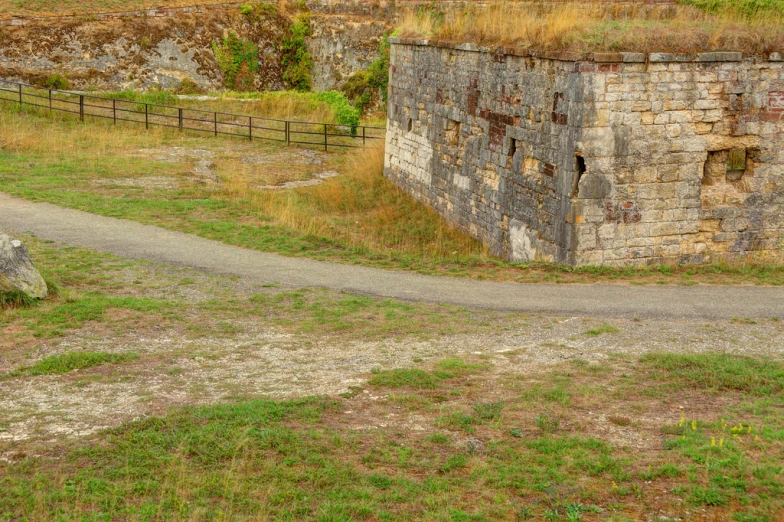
[(593, 159)]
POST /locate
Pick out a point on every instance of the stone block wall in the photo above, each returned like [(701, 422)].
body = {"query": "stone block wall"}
[(610, 158)]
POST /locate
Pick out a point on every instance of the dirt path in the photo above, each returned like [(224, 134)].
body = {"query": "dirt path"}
[(130, 239)]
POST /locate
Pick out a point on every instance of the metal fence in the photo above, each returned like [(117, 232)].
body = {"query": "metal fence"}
[(326, 135)]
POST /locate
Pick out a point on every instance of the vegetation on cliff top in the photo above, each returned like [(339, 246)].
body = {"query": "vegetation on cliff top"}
[(296, 59), (752, 26)]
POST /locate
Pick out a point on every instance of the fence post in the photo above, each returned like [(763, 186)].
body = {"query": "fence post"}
[(250, 128), (215, 119), (114, 111), (364, 137), (326, 144), (81, 107), (50, 100), (20, 94), (287, 130), (146, 117), (180, 117)]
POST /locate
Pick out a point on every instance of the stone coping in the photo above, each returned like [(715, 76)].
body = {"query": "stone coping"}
[(600, 57)]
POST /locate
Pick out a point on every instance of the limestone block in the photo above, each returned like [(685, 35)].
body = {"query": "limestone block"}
[(17, 273)]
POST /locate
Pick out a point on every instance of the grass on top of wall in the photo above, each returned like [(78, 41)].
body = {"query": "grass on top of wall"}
[(71, 7), (572, 27)]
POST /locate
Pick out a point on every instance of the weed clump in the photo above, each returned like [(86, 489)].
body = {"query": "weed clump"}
[(296, 60), (364, 86), (15, 299), (489, 410), (398, 378), (238, 59), (67, 362), (547, 423), (721, 372), (56, 81), (189, 87)]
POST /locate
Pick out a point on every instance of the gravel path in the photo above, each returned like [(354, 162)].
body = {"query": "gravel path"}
[(131, 239)]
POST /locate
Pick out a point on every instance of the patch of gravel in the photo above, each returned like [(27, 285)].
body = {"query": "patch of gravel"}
[(264, 361), (288, 157), (147, 182), (174, 154), (318, 180)]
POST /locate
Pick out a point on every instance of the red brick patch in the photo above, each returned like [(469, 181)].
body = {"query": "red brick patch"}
[(776, 101), (622, 212)]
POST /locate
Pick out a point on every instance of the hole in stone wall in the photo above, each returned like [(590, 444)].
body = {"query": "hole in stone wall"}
[(715, 167), (726, 166), (580, 170), (410, 125), (452, 133), (512, 146)]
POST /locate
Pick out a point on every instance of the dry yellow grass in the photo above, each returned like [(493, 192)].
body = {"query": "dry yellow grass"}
[(580, 27), (361, 208), (358, 209), (33, 8)]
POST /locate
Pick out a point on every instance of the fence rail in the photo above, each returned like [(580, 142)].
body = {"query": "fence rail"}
[(290, 132)]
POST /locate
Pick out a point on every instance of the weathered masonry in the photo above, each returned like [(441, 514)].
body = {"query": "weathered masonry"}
[(611, 158)]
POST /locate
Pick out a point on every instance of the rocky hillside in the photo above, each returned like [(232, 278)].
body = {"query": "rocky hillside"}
[(248, 47)]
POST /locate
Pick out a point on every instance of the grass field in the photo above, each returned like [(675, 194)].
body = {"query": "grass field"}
[(441, 419), (464, 444), (357, 217)]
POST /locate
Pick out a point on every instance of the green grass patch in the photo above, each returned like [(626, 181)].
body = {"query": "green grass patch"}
[(317, 459), (16, 299), (557, 393), (721, 372), (747, 8), (420, 379), (603, 329), (67, 362), (409, 378)]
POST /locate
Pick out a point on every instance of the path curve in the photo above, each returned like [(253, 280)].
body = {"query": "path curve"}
[(131, 239)]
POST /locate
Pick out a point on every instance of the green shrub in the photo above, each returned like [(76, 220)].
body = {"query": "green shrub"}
[(345, 113), (56, 81), (363, 86), (259, 12), (296, 61), (238, 59), (188, 86)]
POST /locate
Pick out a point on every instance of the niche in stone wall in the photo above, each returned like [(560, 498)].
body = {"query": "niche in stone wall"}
[(580, 170), (728, 166), (452, 133)]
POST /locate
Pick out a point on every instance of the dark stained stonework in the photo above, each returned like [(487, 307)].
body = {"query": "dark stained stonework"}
[(613, 158)]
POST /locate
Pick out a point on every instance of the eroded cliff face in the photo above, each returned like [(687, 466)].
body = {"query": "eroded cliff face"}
[(137, 51), (164, 47)]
